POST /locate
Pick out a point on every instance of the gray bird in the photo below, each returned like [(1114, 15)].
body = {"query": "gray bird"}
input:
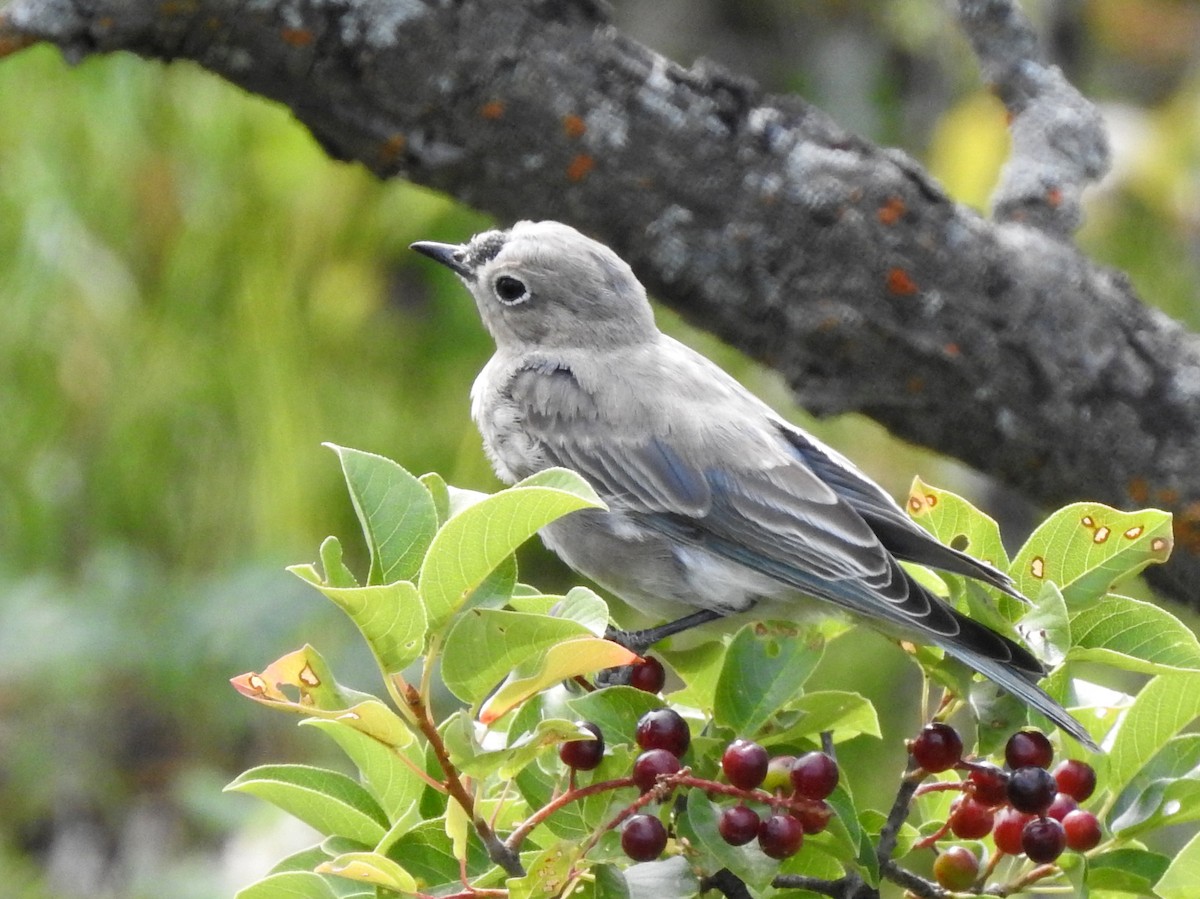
[(716, 505)]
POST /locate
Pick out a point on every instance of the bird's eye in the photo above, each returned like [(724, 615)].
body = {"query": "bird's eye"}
[(510, 291)]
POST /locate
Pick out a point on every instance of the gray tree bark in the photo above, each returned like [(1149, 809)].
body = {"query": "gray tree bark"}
[(841, 264)]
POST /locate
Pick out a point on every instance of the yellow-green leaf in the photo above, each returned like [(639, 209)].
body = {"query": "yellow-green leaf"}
[(957, 523), (370, 867), (390, 617)]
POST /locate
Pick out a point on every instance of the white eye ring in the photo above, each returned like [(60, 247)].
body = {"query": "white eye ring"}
[(509, 290)]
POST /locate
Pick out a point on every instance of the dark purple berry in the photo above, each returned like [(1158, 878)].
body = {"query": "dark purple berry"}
[(583, 755), (1010, 824), (780, 836), (1031, 789), (956, 869), (738, 825), (988, 783), (644, 838), (1075, 778), (1082, 830), (663, 729), (970, 819), (745, 764), (937, 748), (648, 675), (1028, 748), (814, 775), (1043, 840), (651, 765), (814, 817)]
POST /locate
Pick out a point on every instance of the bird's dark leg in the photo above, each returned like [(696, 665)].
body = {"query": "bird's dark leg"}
[(640, 641)]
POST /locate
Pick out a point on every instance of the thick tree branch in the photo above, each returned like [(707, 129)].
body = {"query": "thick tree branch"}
[(839, 263)]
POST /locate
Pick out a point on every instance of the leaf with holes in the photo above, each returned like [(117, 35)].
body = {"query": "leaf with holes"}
[(763, 668), (396, 512), (957, 523), (1086, 547), (481, 536), (305, 672)]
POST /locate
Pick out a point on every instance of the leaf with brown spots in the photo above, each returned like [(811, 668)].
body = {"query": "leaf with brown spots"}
[(1086, 547)]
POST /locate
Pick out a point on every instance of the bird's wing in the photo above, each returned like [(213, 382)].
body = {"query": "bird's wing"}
[(741, 491)]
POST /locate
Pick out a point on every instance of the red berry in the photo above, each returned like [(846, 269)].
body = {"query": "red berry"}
[(988, 783), (1026, 748), (663, 729), (1062, 806), (1009, 826), (1082, 830), (1075, 778), (780, 836), (937, 748), (648, 675), (1043, 840), (779, 774), (738, 825), (1031, 789), (956, 869), (644, 838), (814, 816), (814, 775), (652, 764), (583, 755), (970, 819), (745, 764)]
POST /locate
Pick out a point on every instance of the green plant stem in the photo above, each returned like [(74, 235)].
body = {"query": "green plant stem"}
[(497, 851), (1030, 877), (513, 843)]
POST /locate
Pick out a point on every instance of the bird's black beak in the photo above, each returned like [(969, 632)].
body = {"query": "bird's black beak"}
[(450, 255)]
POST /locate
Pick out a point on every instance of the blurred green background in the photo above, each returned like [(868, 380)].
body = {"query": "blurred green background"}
[(193, 298)]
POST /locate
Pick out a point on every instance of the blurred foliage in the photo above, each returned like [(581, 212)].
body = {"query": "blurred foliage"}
[(195, 298)]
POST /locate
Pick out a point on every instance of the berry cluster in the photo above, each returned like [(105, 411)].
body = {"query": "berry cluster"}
[(1028, 809), (794, 789)]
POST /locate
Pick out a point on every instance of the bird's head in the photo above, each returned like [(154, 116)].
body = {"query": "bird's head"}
[(543, 284)]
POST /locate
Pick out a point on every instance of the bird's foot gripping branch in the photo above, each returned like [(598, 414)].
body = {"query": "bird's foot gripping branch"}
[(720, 776)]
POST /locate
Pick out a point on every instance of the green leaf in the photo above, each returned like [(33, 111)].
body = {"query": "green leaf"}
[(1165, 791), (1086, 547), (397, 514), (373, 868), (1126, 870), (1048, 624), (1180, 879), (336, 572), (427, 854), (1165, 705), (486, 644), (505, 763), (615, 710), (478, 538), (439, 491), (391, 780), (1134, 635), (845, 714), (699, 667), (390, 617), (547, 874), (763, 669), (847, 836), (957, 523), (571, 658), (289, 885), (747, 862), (327, 801)]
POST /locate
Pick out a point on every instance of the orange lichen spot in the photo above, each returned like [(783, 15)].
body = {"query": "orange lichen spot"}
[(1101, 535), (574, 126), (492, 110), (952, 350), (1054, 197), (1168, 497), (1187, 527), (900, 282), (1037, 567), (1087, 521), (309, 677), (580, 166), (891, 211), (297, 37), (392, 148), (1139, 490), (1134, 532), (12, 43), (915, 384), (177, 7)]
